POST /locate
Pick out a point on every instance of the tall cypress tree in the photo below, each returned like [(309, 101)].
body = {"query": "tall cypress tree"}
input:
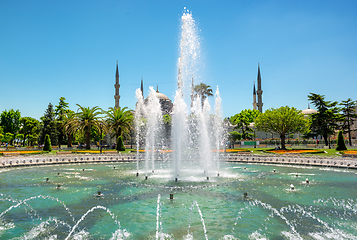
[(340, 142)]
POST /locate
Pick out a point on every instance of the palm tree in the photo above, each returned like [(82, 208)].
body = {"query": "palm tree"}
[(68, 128), (119, 121), (84, 120), (203, 91)]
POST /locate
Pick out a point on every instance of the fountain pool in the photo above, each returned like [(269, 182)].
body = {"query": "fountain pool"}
[(68, 206)]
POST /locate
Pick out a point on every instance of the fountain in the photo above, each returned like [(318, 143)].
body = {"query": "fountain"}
[(189, 194)]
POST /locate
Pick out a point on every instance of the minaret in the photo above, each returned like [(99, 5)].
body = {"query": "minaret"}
[(260, 91), (117, 86), (142, 87), (254, 98)]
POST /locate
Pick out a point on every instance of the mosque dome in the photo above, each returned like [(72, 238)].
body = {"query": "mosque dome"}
[(308, 111), (161, 96)]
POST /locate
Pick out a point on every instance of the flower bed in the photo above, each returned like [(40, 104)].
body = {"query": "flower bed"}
[(294, 151), (234, 150), (21, 152), (354, 152), (161, 150), (349, 153), (94, 151)]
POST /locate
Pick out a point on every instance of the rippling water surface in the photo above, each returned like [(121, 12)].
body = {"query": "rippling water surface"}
[(68, 205)]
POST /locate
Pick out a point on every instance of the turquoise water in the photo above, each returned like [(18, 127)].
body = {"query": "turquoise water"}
[(134, 208)]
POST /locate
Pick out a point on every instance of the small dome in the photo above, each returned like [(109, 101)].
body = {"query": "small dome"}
[(308, 111), (161, 96)]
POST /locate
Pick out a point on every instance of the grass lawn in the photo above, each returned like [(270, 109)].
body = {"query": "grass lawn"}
[(327, 152)]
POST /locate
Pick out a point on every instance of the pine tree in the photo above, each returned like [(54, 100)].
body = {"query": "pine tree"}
[(49, 126), (47, 146), (120, 144), (326, 120)]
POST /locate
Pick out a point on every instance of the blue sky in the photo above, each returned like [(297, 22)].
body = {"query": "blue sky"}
[(50, 49)]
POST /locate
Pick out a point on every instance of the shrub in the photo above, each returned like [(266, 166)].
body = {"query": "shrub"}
[(120, 144), (47, 146), (340, 142)]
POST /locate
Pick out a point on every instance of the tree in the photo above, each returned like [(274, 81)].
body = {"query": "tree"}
[(349, 115), (167, 120), (340, 142), (49, 126), (68, 127), (10, 121), (30, 128), (282, 121), (119, 121), (84, 120), (47, 146), (120, 144), (234, 136), (325, 121), (61, 111), (242, 121), (203, 91), (20, 137)]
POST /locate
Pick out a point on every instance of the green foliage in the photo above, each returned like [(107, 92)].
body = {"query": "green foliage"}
[(49, 126), (340, 142), (119, 121), (84, 121), (167, 119), (60, 113), (20, 137), (7, 137), (30, 128), (68, 127), (325, 121), (120, 144), (282, 121), (234, 136), (243, 120), (47, 146), (349, 115), (10, 121)]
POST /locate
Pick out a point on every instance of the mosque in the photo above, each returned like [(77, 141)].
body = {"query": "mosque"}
[(167, 105)]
